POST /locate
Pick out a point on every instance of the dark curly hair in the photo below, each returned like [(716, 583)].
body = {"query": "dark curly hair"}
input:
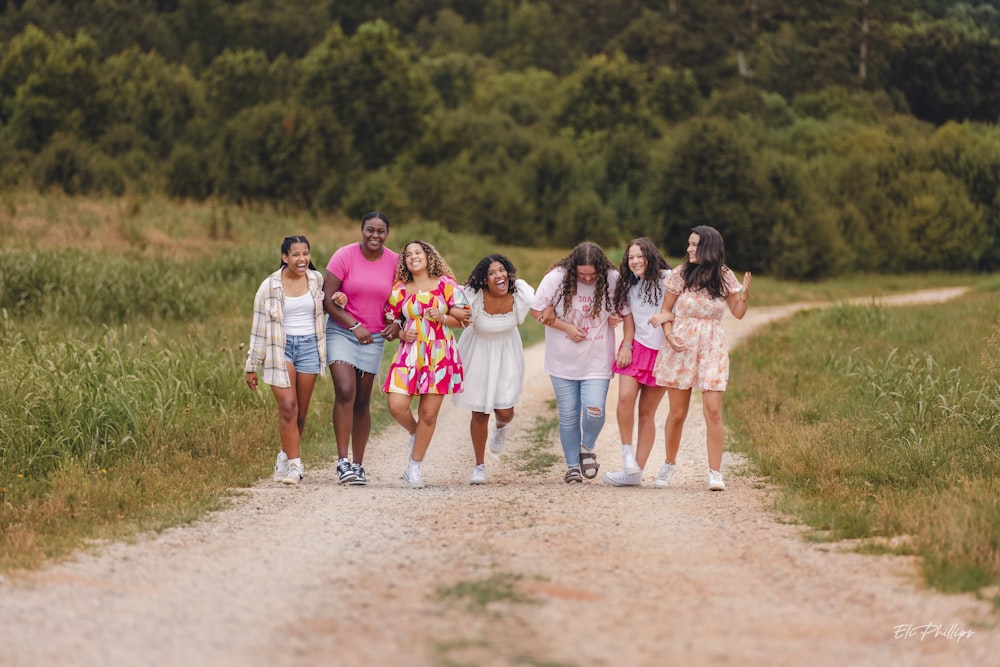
[(478, 279), (436, 266), (711, 254), (587, 253), (652, 284)]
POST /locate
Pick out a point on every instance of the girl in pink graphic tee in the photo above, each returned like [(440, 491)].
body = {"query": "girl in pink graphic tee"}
[(574, 302)]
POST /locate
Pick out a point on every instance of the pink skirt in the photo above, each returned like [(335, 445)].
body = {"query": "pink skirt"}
[(641, 368)]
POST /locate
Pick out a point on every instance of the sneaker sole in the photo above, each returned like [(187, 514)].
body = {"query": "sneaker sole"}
[(290, 482), (661, 485), (611, 482), (717, 488), (357, 482)]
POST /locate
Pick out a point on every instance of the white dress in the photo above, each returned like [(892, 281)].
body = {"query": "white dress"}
[(492, 355)]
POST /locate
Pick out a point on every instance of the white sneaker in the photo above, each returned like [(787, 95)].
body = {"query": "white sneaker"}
[(665, 475), (715, 482), (629, 464), (412, 476), (478, 474), (294, 474), (622, 478), (281, 467), (499, 439)]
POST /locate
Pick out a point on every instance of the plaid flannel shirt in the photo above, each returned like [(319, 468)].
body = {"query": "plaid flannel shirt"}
[(267, 334)]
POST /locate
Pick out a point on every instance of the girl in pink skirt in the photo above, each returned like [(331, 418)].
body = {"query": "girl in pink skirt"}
[(638, 299)]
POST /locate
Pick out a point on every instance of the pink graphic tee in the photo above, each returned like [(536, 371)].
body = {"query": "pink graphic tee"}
[(590, 359)]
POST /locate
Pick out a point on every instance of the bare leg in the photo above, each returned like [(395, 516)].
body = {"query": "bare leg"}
[(628, 390), (344, 391), (649, 401), (362, 426), (680, 399), (427, 413), (399, 408), (478, 427), (711, 402), (288, 414)]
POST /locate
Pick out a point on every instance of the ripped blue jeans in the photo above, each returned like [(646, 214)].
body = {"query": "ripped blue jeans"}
[(581, 414)]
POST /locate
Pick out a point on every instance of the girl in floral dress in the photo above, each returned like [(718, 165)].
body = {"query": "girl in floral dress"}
[(426, 363), (694, 354)]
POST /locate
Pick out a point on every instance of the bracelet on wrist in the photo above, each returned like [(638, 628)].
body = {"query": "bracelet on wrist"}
[(627, 346), (354, 326)]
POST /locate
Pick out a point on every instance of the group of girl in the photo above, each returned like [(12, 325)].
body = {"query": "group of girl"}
[(672, 342)]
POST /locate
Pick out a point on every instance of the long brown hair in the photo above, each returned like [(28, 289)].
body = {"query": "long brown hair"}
[(587, 253), (652, 283), (707, 273)]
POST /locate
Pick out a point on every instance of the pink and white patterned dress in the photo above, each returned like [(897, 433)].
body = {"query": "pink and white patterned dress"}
[(704, 364), (431, 364)]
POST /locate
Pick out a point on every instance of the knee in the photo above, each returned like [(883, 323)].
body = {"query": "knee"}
[(713, 414), (505, 416), (594, 412), (288, 411)]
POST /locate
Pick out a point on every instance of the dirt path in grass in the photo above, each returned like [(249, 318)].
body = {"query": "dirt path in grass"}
[(588, 574)]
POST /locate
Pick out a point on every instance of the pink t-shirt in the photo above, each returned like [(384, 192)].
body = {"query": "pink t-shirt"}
[(590, 359), (367, 284)]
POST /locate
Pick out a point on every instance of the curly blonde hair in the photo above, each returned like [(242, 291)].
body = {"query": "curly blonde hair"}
[(436, 266)]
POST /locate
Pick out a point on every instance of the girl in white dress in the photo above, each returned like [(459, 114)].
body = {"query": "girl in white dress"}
[(491, 353)]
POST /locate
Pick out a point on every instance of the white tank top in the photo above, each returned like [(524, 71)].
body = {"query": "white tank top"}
[(299, 316)]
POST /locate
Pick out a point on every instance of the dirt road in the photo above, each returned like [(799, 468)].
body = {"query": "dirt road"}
[(580, 575)]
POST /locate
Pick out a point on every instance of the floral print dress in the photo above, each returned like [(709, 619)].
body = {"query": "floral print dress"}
[(704, 364), (430, 364)]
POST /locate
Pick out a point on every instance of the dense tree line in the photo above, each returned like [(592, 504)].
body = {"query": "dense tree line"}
[(820, 137)]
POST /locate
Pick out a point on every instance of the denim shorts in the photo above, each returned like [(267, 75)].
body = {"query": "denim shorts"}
[(343, 345), (303, 352)]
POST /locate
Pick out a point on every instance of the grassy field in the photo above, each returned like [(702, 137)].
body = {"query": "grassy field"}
[(123, 407), (883, 425)]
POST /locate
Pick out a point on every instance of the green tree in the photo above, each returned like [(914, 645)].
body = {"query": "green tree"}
[(280, 151), (236, 80), (49, 85), (143, 91), (710, 179), (604, 94), (380, 95), (948, 71)]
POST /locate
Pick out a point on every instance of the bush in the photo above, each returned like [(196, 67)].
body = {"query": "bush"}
[(189, 173), (77, 167)]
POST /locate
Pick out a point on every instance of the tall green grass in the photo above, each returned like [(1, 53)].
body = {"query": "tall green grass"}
[(879, 423)]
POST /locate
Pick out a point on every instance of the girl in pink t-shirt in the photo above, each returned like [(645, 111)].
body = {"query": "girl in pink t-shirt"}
[(356, 335), (574, 302)]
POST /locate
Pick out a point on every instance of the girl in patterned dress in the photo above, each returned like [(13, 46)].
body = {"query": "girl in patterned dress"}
[(694, 354), (426, 363)]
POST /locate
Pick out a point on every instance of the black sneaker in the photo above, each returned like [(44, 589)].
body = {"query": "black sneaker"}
[(359, 475), (346, 472)]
